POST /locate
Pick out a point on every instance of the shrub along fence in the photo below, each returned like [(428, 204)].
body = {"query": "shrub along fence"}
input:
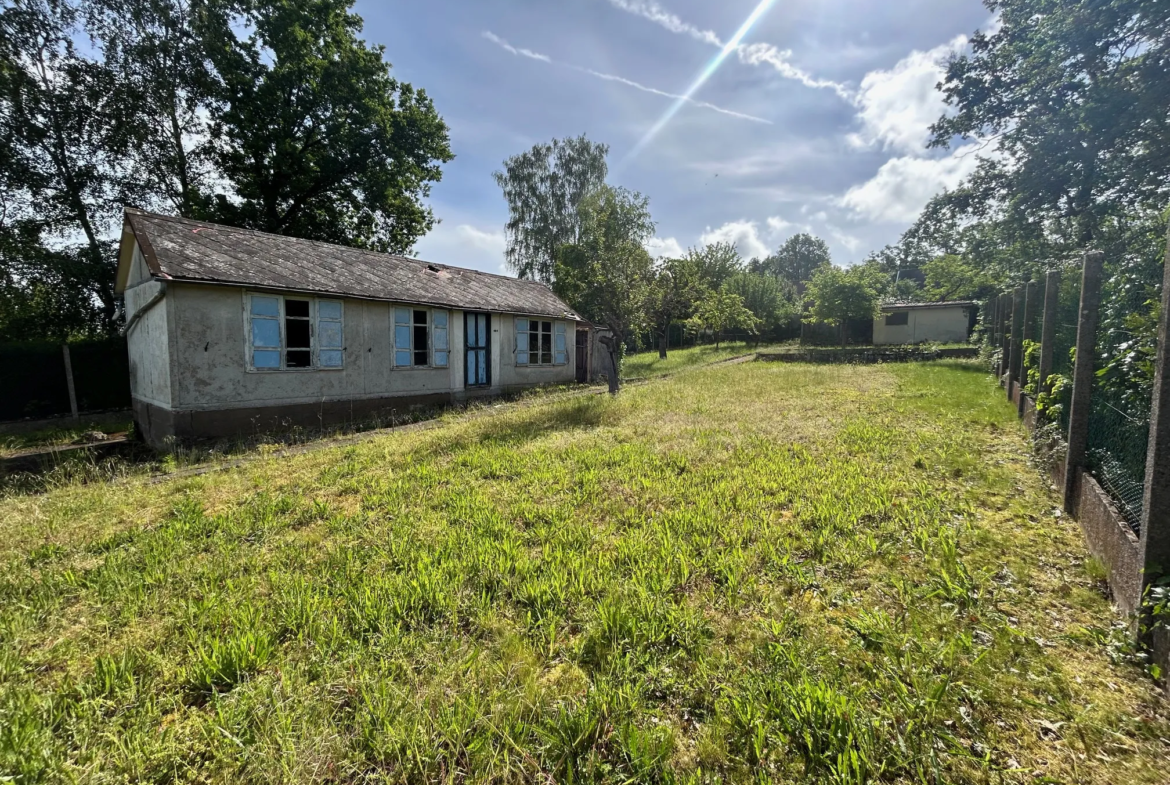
[(36, 382), (1059, 363)]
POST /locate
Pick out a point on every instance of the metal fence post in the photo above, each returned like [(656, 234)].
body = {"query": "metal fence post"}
[(1078, 417), (1155, 534), (69, 381), (1031, 306), (1015, 358), (1048, 331)]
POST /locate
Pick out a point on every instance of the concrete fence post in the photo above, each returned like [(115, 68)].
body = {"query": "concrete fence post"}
[(1155, 534), (1005, 347), (1031, 307), (1015, 357), (1078, 417), (1048, 330)]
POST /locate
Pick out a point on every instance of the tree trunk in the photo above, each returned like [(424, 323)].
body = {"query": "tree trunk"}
[(844, 333), (662, 345)]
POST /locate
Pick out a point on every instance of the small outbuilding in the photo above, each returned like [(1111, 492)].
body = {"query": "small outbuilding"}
[(232, 331), (908, 323)]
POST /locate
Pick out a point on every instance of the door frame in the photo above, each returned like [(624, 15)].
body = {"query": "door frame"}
[(486, 349)]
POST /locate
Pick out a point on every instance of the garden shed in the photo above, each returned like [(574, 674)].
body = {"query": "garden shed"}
[(907, 323)]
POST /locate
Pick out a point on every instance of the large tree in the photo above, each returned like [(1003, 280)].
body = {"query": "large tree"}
[(545, 188), (1073, 95), (797, 260), (607, 274), (65, 137), (314, 135), (270, 114)]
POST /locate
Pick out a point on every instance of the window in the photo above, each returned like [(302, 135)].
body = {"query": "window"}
[(283, 335), (538, 343), (898, 319), (420, 338), (298, 335)]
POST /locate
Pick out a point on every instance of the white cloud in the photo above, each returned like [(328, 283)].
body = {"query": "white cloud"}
[(464, 245), (664, 246), (745, 234), (500, 42), (897, 106), (903, 186), (749, 54), (660, 16)]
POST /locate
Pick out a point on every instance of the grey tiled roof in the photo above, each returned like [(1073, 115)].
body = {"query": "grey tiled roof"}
[(185, 250)]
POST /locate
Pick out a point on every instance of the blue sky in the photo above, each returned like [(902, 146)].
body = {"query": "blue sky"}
[(816, 122)]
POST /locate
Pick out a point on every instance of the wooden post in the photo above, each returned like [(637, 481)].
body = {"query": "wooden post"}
[(69, 382), (1015, 356), (1078, 417), (1155, 534), (1031, 306), (1048, 335)]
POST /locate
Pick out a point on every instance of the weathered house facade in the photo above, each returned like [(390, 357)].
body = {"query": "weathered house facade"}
[(232, 331)]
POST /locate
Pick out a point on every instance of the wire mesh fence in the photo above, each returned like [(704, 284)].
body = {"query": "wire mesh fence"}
[(1118, 428), (1118, 437)]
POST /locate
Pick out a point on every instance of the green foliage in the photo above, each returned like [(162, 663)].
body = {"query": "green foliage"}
[(350, 160), (770, 301), (676, 287), (837, 295), (273, 115), (715, 263), (1074, 95), (720, 311), (607, 274), (797, 260), (545, 189), (950, 277)]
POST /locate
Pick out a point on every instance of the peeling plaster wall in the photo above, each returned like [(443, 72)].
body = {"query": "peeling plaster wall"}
[(147, 341)]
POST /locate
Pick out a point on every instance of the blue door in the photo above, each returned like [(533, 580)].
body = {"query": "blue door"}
[(477, 327)]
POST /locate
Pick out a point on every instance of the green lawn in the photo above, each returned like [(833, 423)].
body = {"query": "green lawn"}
[(646, 364), (746, 572)]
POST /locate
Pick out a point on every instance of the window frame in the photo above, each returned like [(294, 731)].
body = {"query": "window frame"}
[(898, 315), (431, 329), (314, 320), (557, 329)]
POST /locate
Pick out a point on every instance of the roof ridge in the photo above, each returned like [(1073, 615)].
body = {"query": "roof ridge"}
[(412, 259)]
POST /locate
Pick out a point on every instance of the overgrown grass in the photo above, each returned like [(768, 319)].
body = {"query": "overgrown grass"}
[(646, 364), (750, 572)]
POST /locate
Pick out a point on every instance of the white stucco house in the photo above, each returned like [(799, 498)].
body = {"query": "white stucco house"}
[(232, 331), (907, 323)]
